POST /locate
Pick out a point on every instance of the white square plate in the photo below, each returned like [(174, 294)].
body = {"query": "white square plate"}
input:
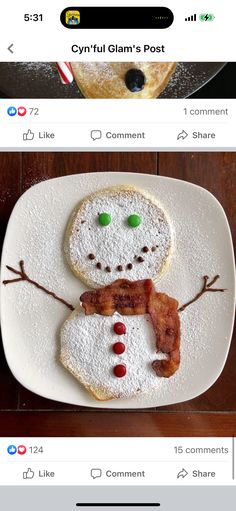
[(31, 320)]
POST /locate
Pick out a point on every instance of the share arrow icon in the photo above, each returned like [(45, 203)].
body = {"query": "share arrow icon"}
[(183, 473)]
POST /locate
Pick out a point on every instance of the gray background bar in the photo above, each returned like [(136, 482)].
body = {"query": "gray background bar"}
[(171, 498)]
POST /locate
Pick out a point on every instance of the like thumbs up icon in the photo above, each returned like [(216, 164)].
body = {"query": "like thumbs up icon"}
[(28, 136), (29, 474)]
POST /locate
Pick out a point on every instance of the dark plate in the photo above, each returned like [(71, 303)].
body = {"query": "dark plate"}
[(41, 80)]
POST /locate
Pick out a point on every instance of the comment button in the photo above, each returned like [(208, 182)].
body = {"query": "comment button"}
[(96, 473)]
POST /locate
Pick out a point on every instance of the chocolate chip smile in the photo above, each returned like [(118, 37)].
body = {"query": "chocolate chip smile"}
[(119, 267)]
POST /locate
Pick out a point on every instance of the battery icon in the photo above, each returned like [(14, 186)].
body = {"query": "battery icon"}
[(206, 17)]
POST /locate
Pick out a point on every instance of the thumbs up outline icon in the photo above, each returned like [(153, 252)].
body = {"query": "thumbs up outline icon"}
[(29, 474), (28, 136)]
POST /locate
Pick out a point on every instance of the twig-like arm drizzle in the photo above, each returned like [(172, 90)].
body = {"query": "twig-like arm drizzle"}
[(206, 288), (25, 278)]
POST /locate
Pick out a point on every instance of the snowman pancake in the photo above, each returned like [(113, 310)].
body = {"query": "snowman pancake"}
[(127, 80), (127, 336), (119, 232)]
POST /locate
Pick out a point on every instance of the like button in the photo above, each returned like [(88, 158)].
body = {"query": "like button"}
[(29, 474)]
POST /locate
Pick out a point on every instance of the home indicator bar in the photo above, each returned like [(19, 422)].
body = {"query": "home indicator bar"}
[(123, 504)]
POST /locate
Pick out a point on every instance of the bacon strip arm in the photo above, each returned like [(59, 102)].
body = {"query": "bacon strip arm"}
[(139, 297), (165, 319)]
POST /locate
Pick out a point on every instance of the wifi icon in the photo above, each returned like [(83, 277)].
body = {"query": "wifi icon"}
[(193, 17)]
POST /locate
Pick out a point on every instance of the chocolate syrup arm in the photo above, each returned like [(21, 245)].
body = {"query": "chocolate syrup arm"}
[(24, 278), (207, 287)]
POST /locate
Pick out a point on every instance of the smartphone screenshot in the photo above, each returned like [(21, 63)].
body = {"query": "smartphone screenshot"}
[(117, 231)]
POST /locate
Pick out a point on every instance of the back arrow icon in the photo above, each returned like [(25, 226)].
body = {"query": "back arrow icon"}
[(10, 48)]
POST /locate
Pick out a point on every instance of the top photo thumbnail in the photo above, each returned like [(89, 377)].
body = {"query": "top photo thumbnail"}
[(117, 80)]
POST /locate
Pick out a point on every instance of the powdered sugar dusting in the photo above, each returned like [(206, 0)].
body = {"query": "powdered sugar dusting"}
[(118, 244), (189, 77), (101, 71), (86, 350)]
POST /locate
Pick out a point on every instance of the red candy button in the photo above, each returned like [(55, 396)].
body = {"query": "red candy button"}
[(119, 328), (119, 371), (118, 348)]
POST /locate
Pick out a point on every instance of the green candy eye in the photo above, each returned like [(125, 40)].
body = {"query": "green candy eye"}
[(104, 219), (134, 220)]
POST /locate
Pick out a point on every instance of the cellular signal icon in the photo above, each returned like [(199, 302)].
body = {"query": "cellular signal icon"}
[(191, 18)]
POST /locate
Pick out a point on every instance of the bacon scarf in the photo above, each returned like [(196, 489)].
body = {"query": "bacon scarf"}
[(139, 297)]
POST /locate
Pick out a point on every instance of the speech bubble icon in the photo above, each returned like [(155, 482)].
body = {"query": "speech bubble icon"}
[(96, 134), (96, 472)]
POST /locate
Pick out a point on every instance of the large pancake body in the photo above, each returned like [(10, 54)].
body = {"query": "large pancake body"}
[(107, 79), (86, 352)]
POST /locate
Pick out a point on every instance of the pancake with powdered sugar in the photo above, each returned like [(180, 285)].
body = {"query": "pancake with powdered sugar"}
[(134, 241)]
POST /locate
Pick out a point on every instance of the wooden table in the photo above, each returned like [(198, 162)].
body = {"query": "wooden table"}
[(213, 413)]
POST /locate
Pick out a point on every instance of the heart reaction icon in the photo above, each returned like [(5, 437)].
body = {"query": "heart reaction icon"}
[(21, 111), (21, 449)]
